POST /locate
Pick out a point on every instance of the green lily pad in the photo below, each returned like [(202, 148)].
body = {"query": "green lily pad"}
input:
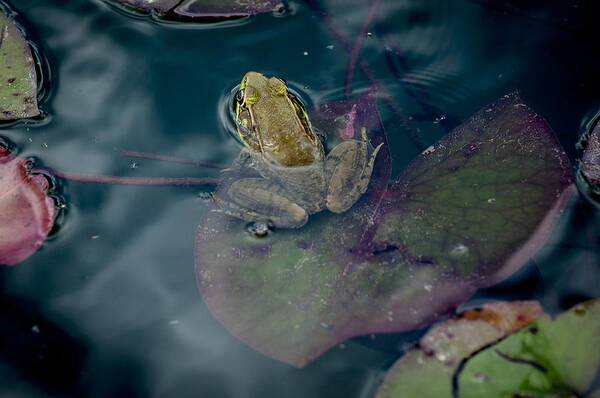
[(430, 368), (18, 83), (203, 9), (466, 213), (547, 358)]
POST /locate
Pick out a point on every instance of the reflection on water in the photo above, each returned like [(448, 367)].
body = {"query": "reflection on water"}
[(118, 280)]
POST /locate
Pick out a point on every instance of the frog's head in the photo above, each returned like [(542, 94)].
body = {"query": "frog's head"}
[(253, 84), (271, 120), (254, 88)]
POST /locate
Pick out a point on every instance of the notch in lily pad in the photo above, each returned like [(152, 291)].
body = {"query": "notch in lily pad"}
[(18, 76), (202, 11)]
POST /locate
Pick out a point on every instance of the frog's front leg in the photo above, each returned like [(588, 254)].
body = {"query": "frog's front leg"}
[(258, 199), (348, 168)]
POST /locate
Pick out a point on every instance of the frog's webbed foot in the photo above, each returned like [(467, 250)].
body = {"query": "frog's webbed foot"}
[(349, 169), (257, 199)]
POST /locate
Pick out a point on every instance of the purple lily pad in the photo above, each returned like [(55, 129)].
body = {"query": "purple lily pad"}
[(18, 84), (397, 260), (26, 211), (590, 162), (225, 8), (203, 9), (160, 6)]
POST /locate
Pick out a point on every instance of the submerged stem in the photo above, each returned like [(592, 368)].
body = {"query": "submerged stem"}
[(131, 180), (401, 117), (357, 45), (172, 159)]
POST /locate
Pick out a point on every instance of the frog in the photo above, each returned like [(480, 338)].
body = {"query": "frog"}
[(296, 178)]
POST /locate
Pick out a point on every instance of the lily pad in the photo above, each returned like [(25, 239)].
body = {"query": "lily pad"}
[(483, 199), (160, 6), (590, 162), (225, 8), (202, 9), (431, 366), (26, 211), (18, 83), (466, 213), (471, 356)]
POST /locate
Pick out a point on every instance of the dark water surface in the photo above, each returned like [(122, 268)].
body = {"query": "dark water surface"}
[(109, 306)]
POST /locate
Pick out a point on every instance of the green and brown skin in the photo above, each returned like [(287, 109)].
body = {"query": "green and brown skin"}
[(298, 179)]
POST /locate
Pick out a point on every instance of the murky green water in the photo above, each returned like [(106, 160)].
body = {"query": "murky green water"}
[(113, 293)]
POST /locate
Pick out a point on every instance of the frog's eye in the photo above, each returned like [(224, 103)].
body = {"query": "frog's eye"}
[(239, 96)]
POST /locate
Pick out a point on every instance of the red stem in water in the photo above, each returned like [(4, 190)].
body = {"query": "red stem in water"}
[(132, 180), (171, 159), (357, 45), (402, 119)]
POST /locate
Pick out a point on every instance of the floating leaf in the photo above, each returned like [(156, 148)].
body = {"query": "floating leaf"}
[(18, 84), (202, 9), (225, 8), (466, 213), (590, 162), (26, 211), (430, 367), (469, 356), (560, 356), (483, 199), (161, 6)]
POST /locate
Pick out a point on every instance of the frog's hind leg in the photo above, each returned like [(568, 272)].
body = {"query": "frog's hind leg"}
[(349, 170), (257, 199)]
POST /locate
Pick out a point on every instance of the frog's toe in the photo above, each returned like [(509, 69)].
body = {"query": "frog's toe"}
[(295, 221), (335, 204), (287, 216)]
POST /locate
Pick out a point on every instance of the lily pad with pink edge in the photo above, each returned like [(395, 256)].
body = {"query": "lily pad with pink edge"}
[(466, 213), (26, 210)]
